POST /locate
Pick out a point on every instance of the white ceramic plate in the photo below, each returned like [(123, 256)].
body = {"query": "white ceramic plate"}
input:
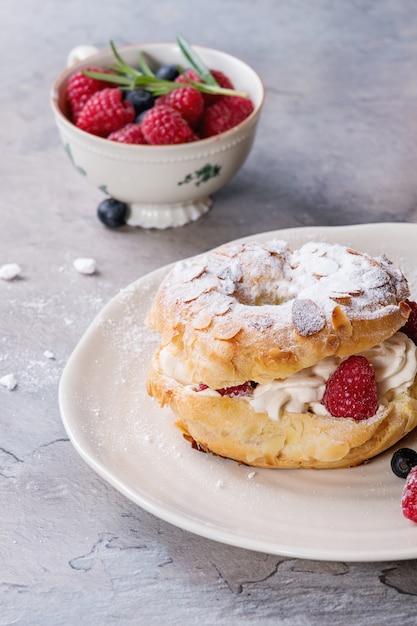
[(344, 515)]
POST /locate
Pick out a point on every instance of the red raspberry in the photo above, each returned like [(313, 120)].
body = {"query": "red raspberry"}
[(163, 125), (225, 114), (201, 387), (188, 74), (409, 496), (187, 100), (410, 327), (106, 112), (237, 391), (131, 133), (351, 390), (223, 81), (80, 89)]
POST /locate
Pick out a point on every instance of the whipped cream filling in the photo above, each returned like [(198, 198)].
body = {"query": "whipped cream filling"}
[(394, 362)]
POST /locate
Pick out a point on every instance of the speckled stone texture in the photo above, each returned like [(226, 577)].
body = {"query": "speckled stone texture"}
[(337, 144)]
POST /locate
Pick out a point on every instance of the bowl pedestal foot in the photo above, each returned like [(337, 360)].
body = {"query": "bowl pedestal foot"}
[(161, 216)]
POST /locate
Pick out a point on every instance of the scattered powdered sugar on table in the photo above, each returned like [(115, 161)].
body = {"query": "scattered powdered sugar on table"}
[(38, 373), (85, 265), (9, 381), (9, 271)]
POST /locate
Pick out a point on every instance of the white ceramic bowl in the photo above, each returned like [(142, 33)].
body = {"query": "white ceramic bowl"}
[(163, 186)]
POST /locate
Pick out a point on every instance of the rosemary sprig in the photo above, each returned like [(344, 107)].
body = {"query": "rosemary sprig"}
[(128, 77), (144, 66), (195, 61)]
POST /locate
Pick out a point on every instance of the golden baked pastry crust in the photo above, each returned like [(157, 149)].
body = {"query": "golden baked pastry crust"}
[(262, 311), (229, 427)]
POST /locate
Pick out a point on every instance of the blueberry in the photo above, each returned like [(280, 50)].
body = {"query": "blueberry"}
[(403, 460), (167, 72), (139, 118), (140, 98), (112, 213)]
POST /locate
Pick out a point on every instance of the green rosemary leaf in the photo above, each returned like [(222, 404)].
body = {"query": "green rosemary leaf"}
[(116, 54), (195, 61), (156, 86), (143, 65), (109, 78), (217, 91), (122, 66)]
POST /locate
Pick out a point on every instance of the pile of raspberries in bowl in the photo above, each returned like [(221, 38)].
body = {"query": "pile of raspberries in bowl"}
[(164, 106)]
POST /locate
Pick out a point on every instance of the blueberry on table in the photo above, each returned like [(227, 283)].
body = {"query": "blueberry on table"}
[(167, 72), (112, 213), (140, 98), (403, 460)]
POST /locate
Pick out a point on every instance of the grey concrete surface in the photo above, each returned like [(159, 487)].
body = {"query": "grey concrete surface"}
[(337, 144)]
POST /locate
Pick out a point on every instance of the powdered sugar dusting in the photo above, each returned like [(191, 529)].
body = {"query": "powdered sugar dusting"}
[(371, 284), (265, 274)]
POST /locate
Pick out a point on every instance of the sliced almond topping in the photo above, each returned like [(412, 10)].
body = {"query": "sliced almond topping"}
[(189, 272), (194, 291), (202, 320), (283, 356), (345, 300), (323, 448), (404, 309), (341, 322), (226, 329), (222, 308), (307, 317), (273, 446), (352, 251), (230, 251)]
